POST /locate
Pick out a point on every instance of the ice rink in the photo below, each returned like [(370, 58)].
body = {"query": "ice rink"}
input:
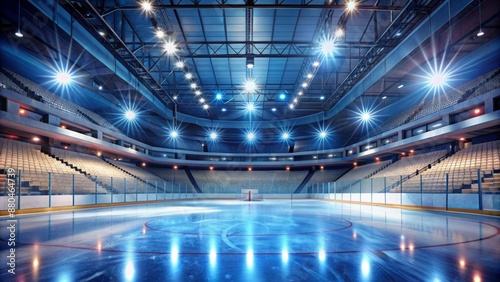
[(272, 240)]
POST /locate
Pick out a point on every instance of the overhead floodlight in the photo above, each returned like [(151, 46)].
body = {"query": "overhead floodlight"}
[(400, 86), (304, 84), (366, 116), (160, 33), (480, 33), (295, 100), (250, 62), (130, 115), (327, 47), (322, 98), (437, 79), (250, 86), (316, 63), (250, 136), (291, 106), (285, 136), (202, 100), (179, 64), (250, 107), (170, 47), (323, 134), (63, 77), (175, 97), (197, 92), (205, 107), (351, 5), (273, 109), (218, 96), (146, 6), (282, 96), (193, 85), (174, 134), (309, 75), (224, 109), (339, 33), (188, 75), (213, 135)]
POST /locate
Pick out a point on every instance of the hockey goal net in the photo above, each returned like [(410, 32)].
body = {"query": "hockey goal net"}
[(250, 195)]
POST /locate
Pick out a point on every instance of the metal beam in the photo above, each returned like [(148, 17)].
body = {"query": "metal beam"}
[(256, 6)]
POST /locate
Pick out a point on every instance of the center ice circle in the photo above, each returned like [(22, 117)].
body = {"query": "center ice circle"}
[(269, 224)]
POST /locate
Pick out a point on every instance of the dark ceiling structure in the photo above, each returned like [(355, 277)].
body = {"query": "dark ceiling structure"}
[(250, 64)]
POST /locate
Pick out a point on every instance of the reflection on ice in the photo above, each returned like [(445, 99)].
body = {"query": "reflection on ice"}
[(129, 270), (365, 267), (322, 255), (284, 256), (249, 258), (213, 256)]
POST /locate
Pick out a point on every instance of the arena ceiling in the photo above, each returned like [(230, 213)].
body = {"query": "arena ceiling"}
[(313, 62)]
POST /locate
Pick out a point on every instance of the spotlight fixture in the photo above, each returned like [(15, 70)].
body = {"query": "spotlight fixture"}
[(188, 75), (174, 134), (160, 33), (351, 5), (250, 63), (202, 100), (400, 86), (323, 134), (179, 64), (250, 86), (315, 64), (218, 96), (213, 136), (193, 85), (285, 135), (205, 107), (18, 32), (146, 6), (197, 92), (327, 47), (480, 33), (170, 47), (273, 109)]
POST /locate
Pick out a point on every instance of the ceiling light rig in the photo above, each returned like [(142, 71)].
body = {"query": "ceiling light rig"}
[(326, 48), (166, 35)]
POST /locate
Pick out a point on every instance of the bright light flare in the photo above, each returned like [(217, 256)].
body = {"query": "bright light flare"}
[(285, 135), (174, 134), (250, 107), (351, 5), (366, 116), (130, 115), (213, 136), (437, 79), (250, 86), (179, 64), (146, 6), (170, 47), (63, 77), (327, 47), (160, 33), (339, 33)]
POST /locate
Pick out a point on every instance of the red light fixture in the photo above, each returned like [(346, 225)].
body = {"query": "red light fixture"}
[(477, 111), (175, 167), (22, 111)]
